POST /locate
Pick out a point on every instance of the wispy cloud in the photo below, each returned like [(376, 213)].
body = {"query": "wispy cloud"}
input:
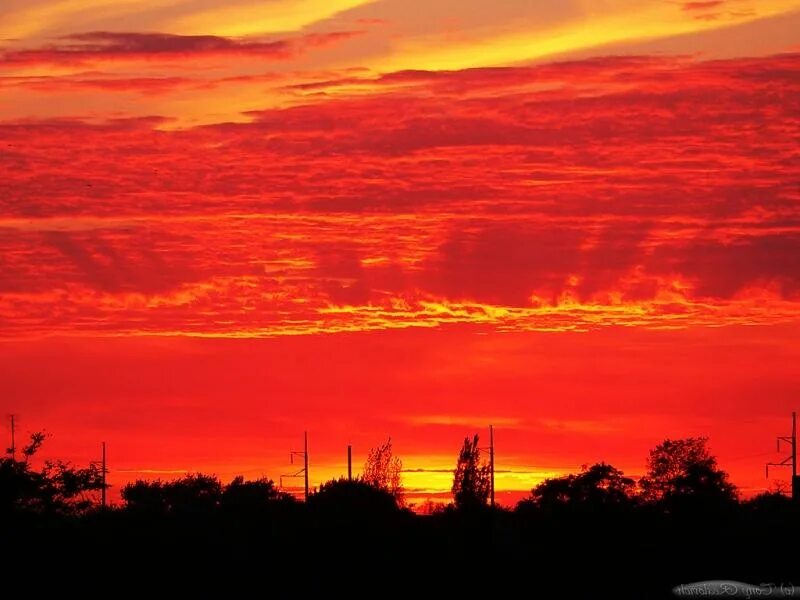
[(104, 46)]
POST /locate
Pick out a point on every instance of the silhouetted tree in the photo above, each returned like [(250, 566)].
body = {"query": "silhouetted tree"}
[(600, 487), (145, 496), (251, 496), (19, 486), (194, 493), (36, 440), (383, 470), (352, 499), (69, 488), (472, 478), (59, 487), (683, 474)]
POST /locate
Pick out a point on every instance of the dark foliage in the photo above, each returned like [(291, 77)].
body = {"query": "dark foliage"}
[(683, 477), (471, 479), (592, 534), (342, 498), (597, 490), (57, 488), (383, 470)]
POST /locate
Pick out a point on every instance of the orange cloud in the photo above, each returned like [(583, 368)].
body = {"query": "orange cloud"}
[(564, 196)]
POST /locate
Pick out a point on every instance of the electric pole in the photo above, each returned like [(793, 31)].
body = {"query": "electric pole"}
[(103, 491), (791, 460), (13, 448), (349, 462), (302, 472), (491, 465), (305, 461), (103, 470)]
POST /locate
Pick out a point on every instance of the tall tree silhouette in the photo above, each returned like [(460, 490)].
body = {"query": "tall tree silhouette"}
[(683, 474), (472, 478), (383, 470)]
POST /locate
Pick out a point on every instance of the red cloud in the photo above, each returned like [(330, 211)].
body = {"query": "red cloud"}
[(107, 46), (705, 5), (636, 191)]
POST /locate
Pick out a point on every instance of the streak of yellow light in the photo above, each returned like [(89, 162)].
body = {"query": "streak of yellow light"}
[(241, 19), (643, 21)]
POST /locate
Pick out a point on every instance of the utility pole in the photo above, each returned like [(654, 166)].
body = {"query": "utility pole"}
[(491, 464), (103, 471), (103, 491), (349, 462), (305, 460), (302, 472), (13, 448), (790, 460)]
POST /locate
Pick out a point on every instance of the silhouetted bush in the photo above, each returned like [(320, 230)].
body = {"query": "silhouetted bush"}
[(191, 494), (353, 500)]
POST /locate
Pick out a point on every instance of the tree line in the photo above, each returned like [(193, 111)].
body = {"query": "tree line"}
[(682, 476), (596, 533)]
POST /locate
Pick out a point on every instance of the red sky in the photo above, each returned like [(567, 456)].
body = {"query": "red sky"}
[(222, 224)]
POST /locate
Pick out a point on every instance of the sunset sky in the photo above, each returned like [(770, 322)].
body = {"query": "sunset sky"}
[(223, 223)]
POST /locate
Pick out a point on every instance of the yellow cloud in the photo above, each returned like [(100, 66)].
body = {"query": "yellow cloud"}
[(66, 15), (260, 17), (58, 17), (637, 22)]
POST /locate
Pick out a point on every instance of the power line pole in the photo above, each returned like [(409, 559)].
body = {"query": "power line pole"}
[(305, 461), (302, 472), (790, 460), (103, 470), (491, 464), (103, 491), (13, 448), (349, 462)]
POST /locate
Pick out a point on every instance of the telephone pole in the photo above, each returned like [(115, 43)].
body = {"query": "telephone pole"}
[(791, 460), (302, 472), (13, 448), (349, 462), (103, 491), (305, 461), (491, 465), (103, 471)]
